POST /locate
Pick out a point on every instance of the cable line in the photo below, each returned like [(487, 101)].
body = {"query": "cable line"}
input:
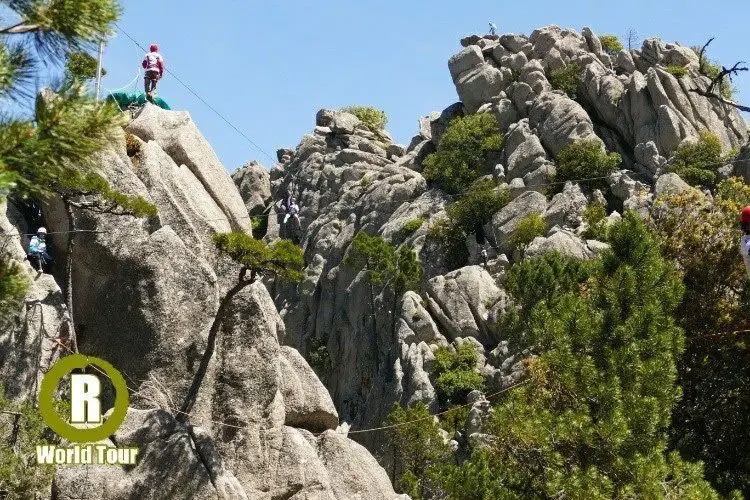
[(217, 112)]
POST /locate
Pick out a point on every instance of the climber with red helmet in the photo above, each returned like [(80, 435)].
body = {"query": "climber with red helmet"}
[(153, 63), (745, 243)]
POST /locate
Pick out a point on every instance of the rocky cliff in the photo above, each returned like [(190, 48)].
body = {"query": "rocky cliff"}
[(264, 426), (146, 291), (349, 179)]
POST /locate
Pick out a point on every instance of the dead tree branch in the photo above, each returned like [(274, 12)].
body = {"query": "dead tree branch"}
[(714, 89), (702, 57)]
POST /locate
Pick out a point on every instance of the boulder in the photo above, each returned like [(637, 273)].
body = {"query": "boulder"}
[(254, 184), (566, 207), (466, 302), (178, 136), (670, 184), (523, 149), (506, 220), (563, 242), (439, 124), (306, 400), (559, 120)]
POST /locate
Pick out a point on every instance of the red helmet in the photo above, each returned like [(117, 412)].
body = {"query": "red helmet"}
[(154, 47), (745, 215)]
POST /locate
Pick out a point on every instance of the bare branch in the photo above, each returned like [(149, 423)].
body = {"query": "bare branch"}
[(721, 99), (714, 89), (702, 57), (724, 73)]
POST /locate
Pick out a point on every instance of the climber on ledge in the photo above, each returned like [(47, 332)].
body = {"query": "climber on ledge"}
[(292, 210), (38, 249), (493, 29), (745, 242), (153, 63)]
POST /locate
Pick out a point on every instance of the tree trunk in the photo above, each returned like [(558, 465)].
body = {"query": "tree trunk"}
[(69, 275), (192, 394)]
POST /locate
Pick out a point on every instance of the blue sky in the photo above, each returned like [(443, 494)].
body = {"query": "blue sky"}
[(269, 66)]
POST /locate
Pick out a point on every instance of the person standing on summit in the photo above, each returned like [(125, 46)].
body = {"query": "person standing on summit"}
[(153, 63)]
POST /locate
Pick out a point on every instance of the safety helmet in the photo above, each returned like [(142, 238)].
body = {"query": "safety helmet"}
[(41, 230), (154, 47), (745, 215)]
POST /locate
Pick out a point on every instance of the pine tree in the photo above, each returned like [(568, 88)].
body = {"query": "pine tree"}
[(592, 421), (282, 259), (53, 155)]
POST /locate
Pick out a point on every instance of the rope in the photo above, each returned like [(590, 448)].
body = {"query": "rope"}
[(219, 114), (132, 83), (12, 235), (358, 431)]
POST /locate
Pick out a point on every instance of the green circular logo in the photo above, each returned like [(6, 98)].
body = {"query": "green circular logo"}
[(47, 399)]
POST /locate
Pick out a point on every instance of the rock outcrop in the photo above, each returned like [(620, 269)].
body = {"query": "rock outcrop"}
[(266, 423), (146, 292)]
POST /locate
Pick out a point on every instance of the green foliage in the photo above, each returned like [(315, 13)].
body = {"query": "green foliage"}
[(365, 181), (318, 356), (585, 159), (283, 258), (530, 227), (711, 421), (611, 44), (413, 225), (454, 419), (373, 118), (69, 129), (567, 79), (38, 155), (65, 26), (542, 280), (595, 217), (21, 430), (697, 162), (417, 447), (455, 374), (464, 151), (677, 71), (83, 65), (467, 215), (453, 386), (386, 265), (592, 421)]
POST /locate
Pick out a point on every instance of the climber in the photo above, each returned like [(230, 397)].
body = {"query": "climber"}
[(292, 210), (745, 242), (287, 201), (153, 63), (493, 29), (38, 248), (483, 253)]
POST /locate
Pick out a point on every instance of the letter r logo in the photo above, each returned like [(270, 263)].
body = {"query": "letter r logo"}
[(85, 407)]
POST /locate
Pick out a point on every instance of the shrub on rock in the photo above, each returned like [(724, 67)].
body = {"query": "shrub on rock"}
[(585, 159), (567, 79), (611, 44), (464, 151), (373, 118)]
